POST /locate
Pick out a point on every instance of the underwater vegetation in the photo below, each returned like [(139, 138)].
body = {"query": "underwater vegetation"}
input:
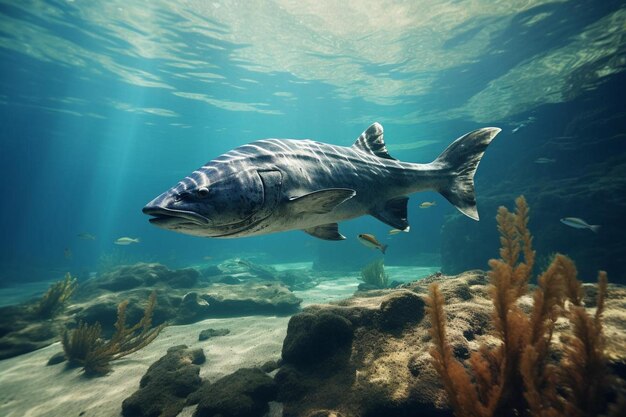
[(520, 376), (85, 347), (374, 274), (53, 301)]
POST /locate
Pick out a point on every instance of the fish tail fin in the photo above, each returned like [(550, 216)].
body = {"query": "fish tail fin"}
[(383, 248), (595, 228), (136, 240), (460, 160)]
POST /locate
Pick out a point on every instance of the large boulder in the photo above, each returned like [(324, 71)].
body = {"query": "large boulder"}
[(311, 338), (164, 388), (244, 393)]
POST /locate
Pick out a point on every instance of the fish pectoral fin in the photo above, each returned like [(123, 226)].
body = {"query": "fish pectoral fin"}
[(322, 201), (372, 141), (394, 213), (328, 231)]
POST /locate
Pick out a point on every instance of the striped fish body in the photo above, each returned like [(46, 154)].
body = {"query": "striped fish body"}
[(275, 185)]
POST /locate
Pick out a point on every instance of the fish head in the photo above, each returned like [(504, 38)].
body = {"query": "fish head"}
[(210, 203)]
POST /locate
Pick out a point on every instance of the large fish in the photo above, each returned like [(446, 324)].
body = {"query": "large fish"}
[(274, 185)]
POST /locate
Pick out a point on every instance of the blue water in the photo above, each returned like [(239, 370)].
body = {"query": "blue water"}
[(104, 105)]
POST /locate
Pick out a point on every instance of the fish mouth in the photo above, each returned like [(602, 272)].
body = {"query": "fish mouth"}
[(165, 216)]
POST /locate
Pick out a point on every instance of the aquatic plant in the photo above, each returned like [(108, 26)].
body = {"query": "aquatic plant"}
[(374, 274), (517, 377), (56, 297), (85, 346)]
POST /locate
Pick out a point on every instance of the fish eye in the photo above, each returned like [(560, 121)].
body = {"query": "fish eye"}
[(183, 195), (202, 192)]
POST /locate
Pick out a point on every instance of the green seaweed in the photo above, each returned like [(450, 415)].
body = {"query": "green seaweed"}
[(54, 300), (84, 346), (374, 274)]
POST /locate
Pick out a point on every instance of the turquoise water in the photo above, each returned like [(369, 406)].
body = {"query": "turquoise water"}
[(104, 105)]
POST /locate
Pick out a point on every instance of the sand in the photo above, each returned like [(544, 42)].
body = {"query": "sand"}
[(29, 388)]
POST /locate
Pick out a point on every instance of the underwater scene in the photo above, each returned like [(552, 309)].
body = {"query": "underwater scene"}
[(313, 208)]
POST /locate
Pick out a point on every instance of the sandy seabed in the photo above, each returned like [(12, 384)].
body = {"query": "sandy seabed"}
[(29, 388)]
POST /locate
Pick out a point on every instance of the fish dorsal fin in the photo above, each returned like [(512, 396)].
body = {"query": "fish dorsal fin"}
[(321, 201), (371, 141), (394, 213), (328, 231)]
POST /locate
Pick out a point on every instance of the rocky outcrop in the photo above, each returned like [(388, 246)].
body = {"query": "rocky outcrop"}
[(95, 300), (164, 388), (22, 331), (369, 355), (183, 296)]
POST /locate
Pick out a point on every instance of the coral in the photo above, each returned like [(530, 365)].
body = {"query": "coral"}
[(55, 298), (518, 377), (85, 347), (374, 274)]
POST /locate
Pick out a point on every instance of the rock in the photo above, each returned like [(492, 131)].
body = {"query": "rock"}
[(22, 332), (57, 358), (270, 366), (243, 267), (245, 393), (192, 308), (127, 277), (381, 366), (182, 297), (229, 280), (103, 308), (251, 298), (183, 278), (164, 388), (399, 310), (209, 333), (367, 287), (210, 271), (312, 338), (297, 279)]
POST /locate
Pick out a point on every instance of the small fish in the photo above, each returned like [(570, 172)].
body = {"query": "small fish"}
[(427, 204), (371, 242), (126, 241), (86, 236), (207, 258), (518, 128), (523, 124), (67, 253), (544, 160), (577, 223), (396, 231)]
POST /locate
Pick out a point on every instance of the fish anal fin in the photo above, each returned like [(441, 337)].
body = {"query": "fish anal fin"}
[(322, 201), (394, 213), (372, 141), (328, 231)]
